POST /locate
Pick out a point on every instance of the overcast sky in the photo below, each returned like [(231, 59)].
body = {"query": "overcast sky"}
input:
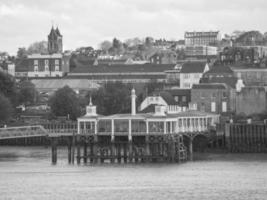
[(88, 22)]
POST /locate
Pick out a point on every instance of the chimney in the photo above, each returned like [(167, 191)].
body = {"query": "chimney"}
[(133, 97)]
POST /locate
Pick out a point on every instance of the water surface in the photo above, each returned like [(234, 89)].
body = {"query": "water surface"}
[(27, 173)]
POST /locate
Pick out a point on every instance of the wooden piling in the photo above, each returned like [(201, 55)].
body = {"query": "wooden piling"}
[(85, 151), (191, 149), (73, 149), (130, 148), (112, 151), (69, 149), (78, 146), (54, 150), (119, 152)]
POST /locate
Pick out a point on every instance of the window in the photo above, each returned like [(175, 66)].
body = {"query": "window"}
[(35, 68), (176, 98), (46, 68), (213, 107), (224, 106), (186, 85), (186, 76), (56, 68), (213, 95), (46, 62), (224, 94), (56, 62), (35, 62), (183, 98)]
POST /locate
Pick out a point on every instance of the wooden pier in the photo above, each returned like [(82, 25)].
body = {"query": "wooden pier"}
[(246, 138), (103, 149)]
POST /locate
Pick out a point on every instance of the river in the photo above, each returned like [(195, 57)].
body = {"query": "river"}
[(27, 173)]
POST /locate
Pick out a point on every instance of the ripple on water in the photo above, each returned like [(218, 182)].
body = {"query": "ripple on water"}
[(26, 173)]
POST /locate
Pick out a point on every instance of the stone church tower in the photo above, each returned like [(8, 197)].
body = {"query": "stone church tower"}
[(55, 41)]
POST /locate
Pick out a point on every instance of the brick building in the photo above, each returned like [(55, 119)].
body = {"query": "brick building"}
[(211, 97)]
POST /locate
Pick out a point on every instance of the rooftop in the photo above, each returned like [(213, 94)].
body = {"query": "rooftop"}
[(210, 86), (123, 68), (193, 67)]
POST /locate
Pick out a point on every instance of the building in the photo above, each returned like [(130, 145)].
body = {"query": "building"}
[(141, 124), (45, 65), (55, 43), (51, 85), (201, 51), (191, 73), (211, 97), (170, 103), (252, 76), (164, 57), (54, 64), (220, 74), (202, 38), (124, 73)]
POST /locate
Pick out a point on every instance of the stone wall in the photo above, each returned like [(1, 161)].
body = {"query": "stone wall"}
[(251, 100)]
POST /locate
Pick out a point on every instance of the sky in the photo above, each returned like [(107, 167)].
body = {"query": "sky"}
[(89, 22)]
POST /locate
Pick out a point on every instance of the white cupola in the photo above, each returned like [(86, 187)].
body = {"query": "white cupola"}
[(91, 109)]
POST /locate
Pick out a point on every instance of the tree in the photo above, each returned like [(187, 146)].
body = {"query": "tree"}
[(22, 53), (5, 109), (112, 98), (105, 45), (65, 102), (27, 92), (38, 47), (149, 41), (8, 87)]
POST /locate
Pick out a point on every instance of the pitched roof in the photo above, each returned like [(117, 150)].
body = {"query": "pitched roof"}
[(193, 67), (230, 81), (123, 68), (219, 69), (179, 92), (168, 98), (210, 86)]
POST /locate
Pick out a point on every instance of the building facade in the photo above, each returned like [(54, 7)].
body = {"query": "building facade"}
[(200, 51), (211, 97), (202, 38), (191, 73)]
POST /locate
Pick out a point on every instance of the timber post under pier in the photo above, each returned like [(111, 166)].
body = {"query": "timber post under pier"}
[(120, 149)]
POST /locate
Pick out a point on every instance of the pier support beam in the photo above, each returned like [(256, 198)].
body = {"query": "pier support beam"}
[(85, 151), (69, 149), (95, 148), (54, 150), (73, 149), (78, 150), (147, 149), (190, 149)]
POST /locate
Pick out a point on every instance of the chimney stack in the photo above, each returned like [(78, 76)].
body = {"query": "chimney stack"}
[(133, 97)]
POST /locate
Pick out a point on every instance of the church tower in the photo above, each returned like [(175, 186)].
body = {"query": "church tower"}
[(55, 41)]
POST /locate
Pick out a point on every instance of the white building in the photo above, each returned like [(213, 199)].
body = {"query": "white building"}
[(191, 73)]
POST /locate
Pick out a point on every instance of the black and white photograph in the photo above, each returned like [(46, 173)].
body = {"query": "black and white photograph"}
[(133, 100)]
